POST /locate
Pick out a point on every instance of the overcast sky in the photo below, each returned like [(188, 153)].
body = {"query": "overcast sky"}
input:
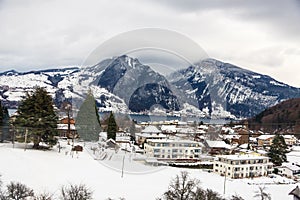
[(263, 36)]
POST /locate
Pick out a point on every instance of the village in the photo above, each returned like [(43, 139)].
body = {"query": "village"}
[(231, 150)]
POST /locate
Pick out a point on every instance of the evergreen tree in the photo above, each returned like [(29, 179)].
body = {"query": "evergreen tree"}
[(36, 114), (87, 121), (4, 119), (111, 127), (278, 150)]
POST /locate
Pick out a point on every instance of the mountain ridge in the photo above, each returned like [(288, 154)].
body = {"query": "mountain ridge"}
[(208, 88)]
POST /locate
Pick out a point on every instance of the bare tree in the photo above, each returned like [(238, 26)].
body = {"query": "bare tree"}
[(18, 191), (2, 197), (44, 196), (182, 187), (212, 195), (236, 197), (262, 194), (76, 192)]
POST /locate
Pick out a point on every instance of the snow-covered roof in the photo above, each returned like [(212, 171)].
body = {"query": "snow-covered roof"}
[(217, 144), (169, 128), (291, 166), (263, 152), (288, 136), (173, 141), (244, 146), (231, 136), (203, 127), (151, 135), (242, 157), (265, 137), (151, 129), (201, 131), (65, 127), (295, 192), (228, 129)]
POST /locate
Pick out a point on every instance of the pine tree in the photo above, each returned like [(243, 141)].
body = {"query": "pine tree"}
[(87, 121), (4, 119), (111, 127), (37, 115), (278, 150)]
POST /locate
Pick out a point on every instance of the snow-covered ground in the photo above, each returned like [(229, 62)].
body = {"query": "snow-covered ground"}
[(49, 170)]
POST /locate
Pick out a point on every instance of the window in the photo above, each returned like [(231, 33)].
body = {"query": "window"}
[(156, 150)]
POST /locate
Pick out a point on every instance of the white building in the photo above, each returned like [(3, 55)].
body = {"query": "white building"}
[(288, 170), (290, 139), (242, 166), (150, 132), (166, 149)]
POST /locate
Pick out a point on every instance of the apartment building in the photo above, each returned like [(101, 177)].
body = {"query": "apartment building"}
[(242, 166), (167, 149)]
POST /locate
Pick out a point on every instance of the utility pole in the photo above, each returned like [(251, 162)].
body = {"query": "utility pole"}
[(26, 133), (225, 180)]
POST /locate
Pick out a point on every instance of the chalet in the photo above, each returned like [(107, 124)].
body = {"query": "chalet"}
[(215, 147), (121, 137), (289, 170), (169, 129), (150, 132), (242, 166), (265, 140), (65, 130), (290, 139)]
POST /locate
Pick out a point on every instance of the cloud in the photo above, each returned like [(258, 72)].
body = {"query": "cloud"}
[(42, 34), (282, 17)]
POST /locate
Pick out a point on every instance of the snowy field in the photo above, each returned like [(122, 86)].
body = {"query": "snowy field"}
[(49, 170)]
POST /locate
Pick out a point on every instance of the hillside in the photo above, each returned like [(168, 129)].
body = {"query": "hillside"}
[(284, 116)]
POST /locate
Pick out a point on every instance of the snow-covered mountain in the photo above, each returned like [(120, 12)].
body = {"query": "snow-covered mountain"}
[(124, 84), (220, 87), (14, 85)]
